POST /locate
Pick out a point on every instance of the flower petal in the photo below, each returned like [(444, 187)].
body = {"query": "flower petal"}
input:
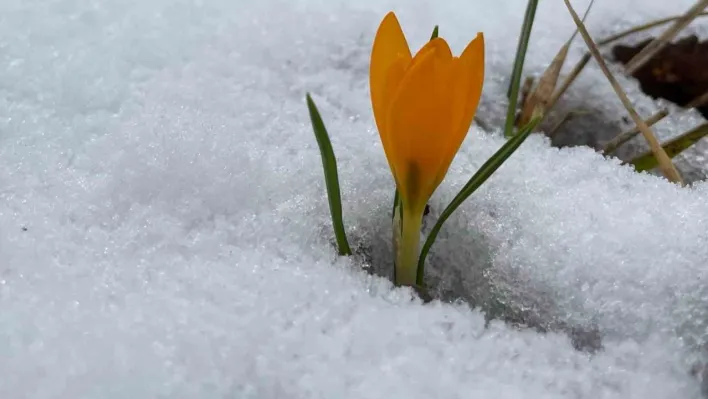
[(394, 77), (395, 74), (468, 75), (419, 123), (389, 47), (472, 74)]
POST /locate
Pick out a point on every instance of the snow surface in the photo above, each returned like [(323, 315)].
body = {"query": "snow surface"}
[(164, 229)]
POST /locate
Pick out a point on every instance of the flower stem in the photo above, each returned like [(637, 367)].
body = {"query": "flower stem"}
[(408, 247)]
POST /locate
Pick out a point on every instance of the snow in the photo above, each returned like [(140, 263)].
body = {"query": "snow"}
[(164, 229)]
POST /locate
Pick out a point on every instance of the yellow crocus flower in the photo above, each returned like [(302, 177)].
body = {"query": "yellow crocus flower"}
[(423, 106)]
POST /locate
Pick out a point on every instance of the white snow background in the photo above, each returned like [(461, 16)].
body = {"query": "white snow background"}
[(164, 228)]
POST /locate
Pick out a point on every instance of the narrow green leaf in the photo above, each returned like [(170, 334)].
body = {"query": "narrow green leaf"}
[(472, 185), (329, 164), (515, 84), (435, 33), (673, 147)]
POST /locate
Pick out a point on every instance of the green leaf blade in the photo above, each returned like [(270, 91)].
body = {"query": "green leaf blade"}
[(329, 164), (647, 161), (515, 84), (484, 173), (435, 33)]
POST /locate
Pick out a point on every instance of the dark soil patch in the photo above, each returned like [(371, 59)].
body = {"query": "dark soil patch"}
[(678, 73)]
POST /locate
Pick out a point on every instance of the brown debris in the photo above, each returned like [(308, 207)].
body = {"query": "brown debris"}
[(678, 73)]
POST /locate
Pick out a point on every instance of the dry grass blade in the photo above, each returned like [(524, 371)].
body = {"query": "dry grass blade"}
[(569, 80), (624, 137), (627, 135), (660, 42), (586, 57), (698, 101), (641, 28), (526, 89), (673, 147), (565, 118), (539, 99), (665, 164)]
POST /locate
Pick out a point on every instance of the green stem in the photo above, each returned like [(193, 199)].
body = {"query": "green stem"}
[(408, 248), (513, 92)]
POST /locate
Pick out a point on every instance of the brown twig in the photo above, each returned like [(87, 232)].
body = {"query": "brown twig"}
[(627, 135), (641, 28), (609, 39), (660, 42), (624, 137), (569, 80), (565, 118), (538, 98), (698, 101), (665, 164)]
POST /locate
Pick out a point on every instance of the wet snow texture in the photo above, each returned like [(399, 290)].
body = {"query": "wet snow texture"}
[(164, 230)]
